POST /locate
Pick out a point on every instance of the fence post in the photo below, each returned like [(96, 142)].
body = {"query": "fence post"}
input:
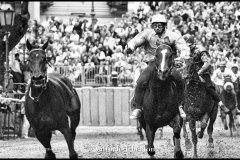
[(83, 77)]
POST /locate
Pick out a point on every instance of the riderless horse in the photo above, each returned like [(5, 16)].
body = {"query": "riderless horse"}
[(160, 104), (230, 102), (198, 105), (51, 103)]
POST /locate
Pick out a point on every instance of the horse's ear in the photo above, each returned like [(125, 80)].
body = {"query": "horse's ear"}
[(29, 46), (45, 46)]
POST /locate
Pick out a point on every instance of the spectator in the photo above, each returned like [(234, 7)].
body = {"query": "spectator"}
[(17, 73)]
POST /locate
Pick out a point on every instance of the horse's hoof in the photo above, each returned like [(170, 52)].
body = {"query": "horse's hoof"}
[(74, 156), (50, 155), (188, 144), (151, 151), (179, 155), (200, 134), (210, 140), (203, 124), (195, 156), (225, 127), (210, 145), (234, 129)]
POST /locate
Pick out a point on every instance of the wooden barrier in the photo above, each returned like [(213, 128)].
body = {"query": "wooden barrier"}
[(105, 106)]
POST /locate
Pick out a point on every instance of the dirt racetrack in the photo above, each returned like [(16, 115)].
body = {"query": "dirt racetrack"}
[(121, 142)]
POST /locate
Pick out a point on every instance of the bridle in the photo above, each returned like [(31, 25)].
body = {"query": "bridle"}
[(42, 79), (171, 67)]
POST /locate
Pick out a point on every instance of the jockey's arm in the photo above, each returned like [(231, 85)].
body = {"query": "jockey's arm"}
[(181, 46), (207, 62), (137, 41), (214, 76)]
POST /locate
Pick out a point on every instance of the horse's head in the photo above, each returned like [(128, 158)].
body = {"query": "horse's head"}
[(164, 61), (38, 64), (228, 87)]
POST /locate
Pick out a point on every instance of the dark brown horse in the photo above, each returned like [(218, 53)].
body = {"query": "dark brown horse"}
[(198, 105), (51, 103), (160, 107), (229, 101)]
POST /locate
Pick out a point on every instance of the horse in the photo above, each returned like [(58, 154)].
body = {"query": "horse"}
[(160, 102), (51, 103), (230, 103), (198, 105), (140, 133)]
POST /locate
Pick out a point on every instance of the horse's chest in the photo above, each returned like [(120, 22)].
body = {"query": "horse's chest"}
[(164, 96)]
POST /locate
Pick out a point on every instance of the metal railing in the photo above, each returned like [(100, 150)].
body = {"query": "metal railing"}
[(98, 75)]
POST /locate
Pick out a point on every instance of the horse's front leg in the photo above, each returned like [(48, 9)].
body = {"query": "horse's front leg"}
[(231, 123), (192, 126), (139, 130), (204, 123), (69, 137), (177, 126), (45, 137), (150, 134), (188, 143)]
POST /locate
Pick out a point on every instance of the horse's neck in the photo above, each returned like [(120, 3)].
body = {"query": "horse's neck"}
[(194, 89), (165, 86), (35, 91)]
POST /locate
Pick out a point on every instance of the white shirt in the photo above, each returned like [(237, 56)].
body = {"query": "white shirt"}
[(16, 66), (218, 76), (74, 37)]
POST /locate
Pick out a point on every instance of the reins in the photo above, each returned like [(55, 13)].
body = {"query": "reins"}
[(44, 79)]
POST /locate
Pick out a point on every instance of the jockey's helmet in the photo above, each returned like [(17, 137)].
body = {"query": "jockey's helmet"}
[(189, 39), (159, 18), (159, 23)]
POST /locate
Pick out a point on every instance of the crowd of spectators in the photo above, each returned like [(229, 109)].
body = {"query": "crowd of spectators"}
[(81, 47), (97, 50)]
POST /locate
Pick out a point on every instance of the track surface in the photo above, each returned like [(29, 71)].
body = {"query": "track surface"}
[(121, 142)]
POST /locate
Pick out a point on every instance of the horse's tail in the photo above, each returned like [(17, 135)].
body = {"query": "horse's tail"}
[(77, 99), (75, 114)]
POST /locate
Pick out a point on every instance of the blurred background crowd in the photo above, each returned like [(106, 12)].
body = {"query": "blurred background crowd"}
[(77, 48)]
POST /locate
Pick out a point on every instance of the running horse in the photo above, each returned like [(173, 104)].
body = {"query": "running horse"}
[(160, 107), (198, 105), (51, 102)]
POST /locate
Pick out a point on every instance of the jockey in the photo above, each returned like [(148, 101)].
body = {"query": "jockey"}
[(200, 54), (150, 39), (221, 75)]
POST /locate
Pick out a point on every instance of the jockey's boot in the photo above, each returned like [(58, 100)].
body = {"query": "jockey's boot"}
[(137, 101), (215, 97), (177, 79), (182, 113)]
